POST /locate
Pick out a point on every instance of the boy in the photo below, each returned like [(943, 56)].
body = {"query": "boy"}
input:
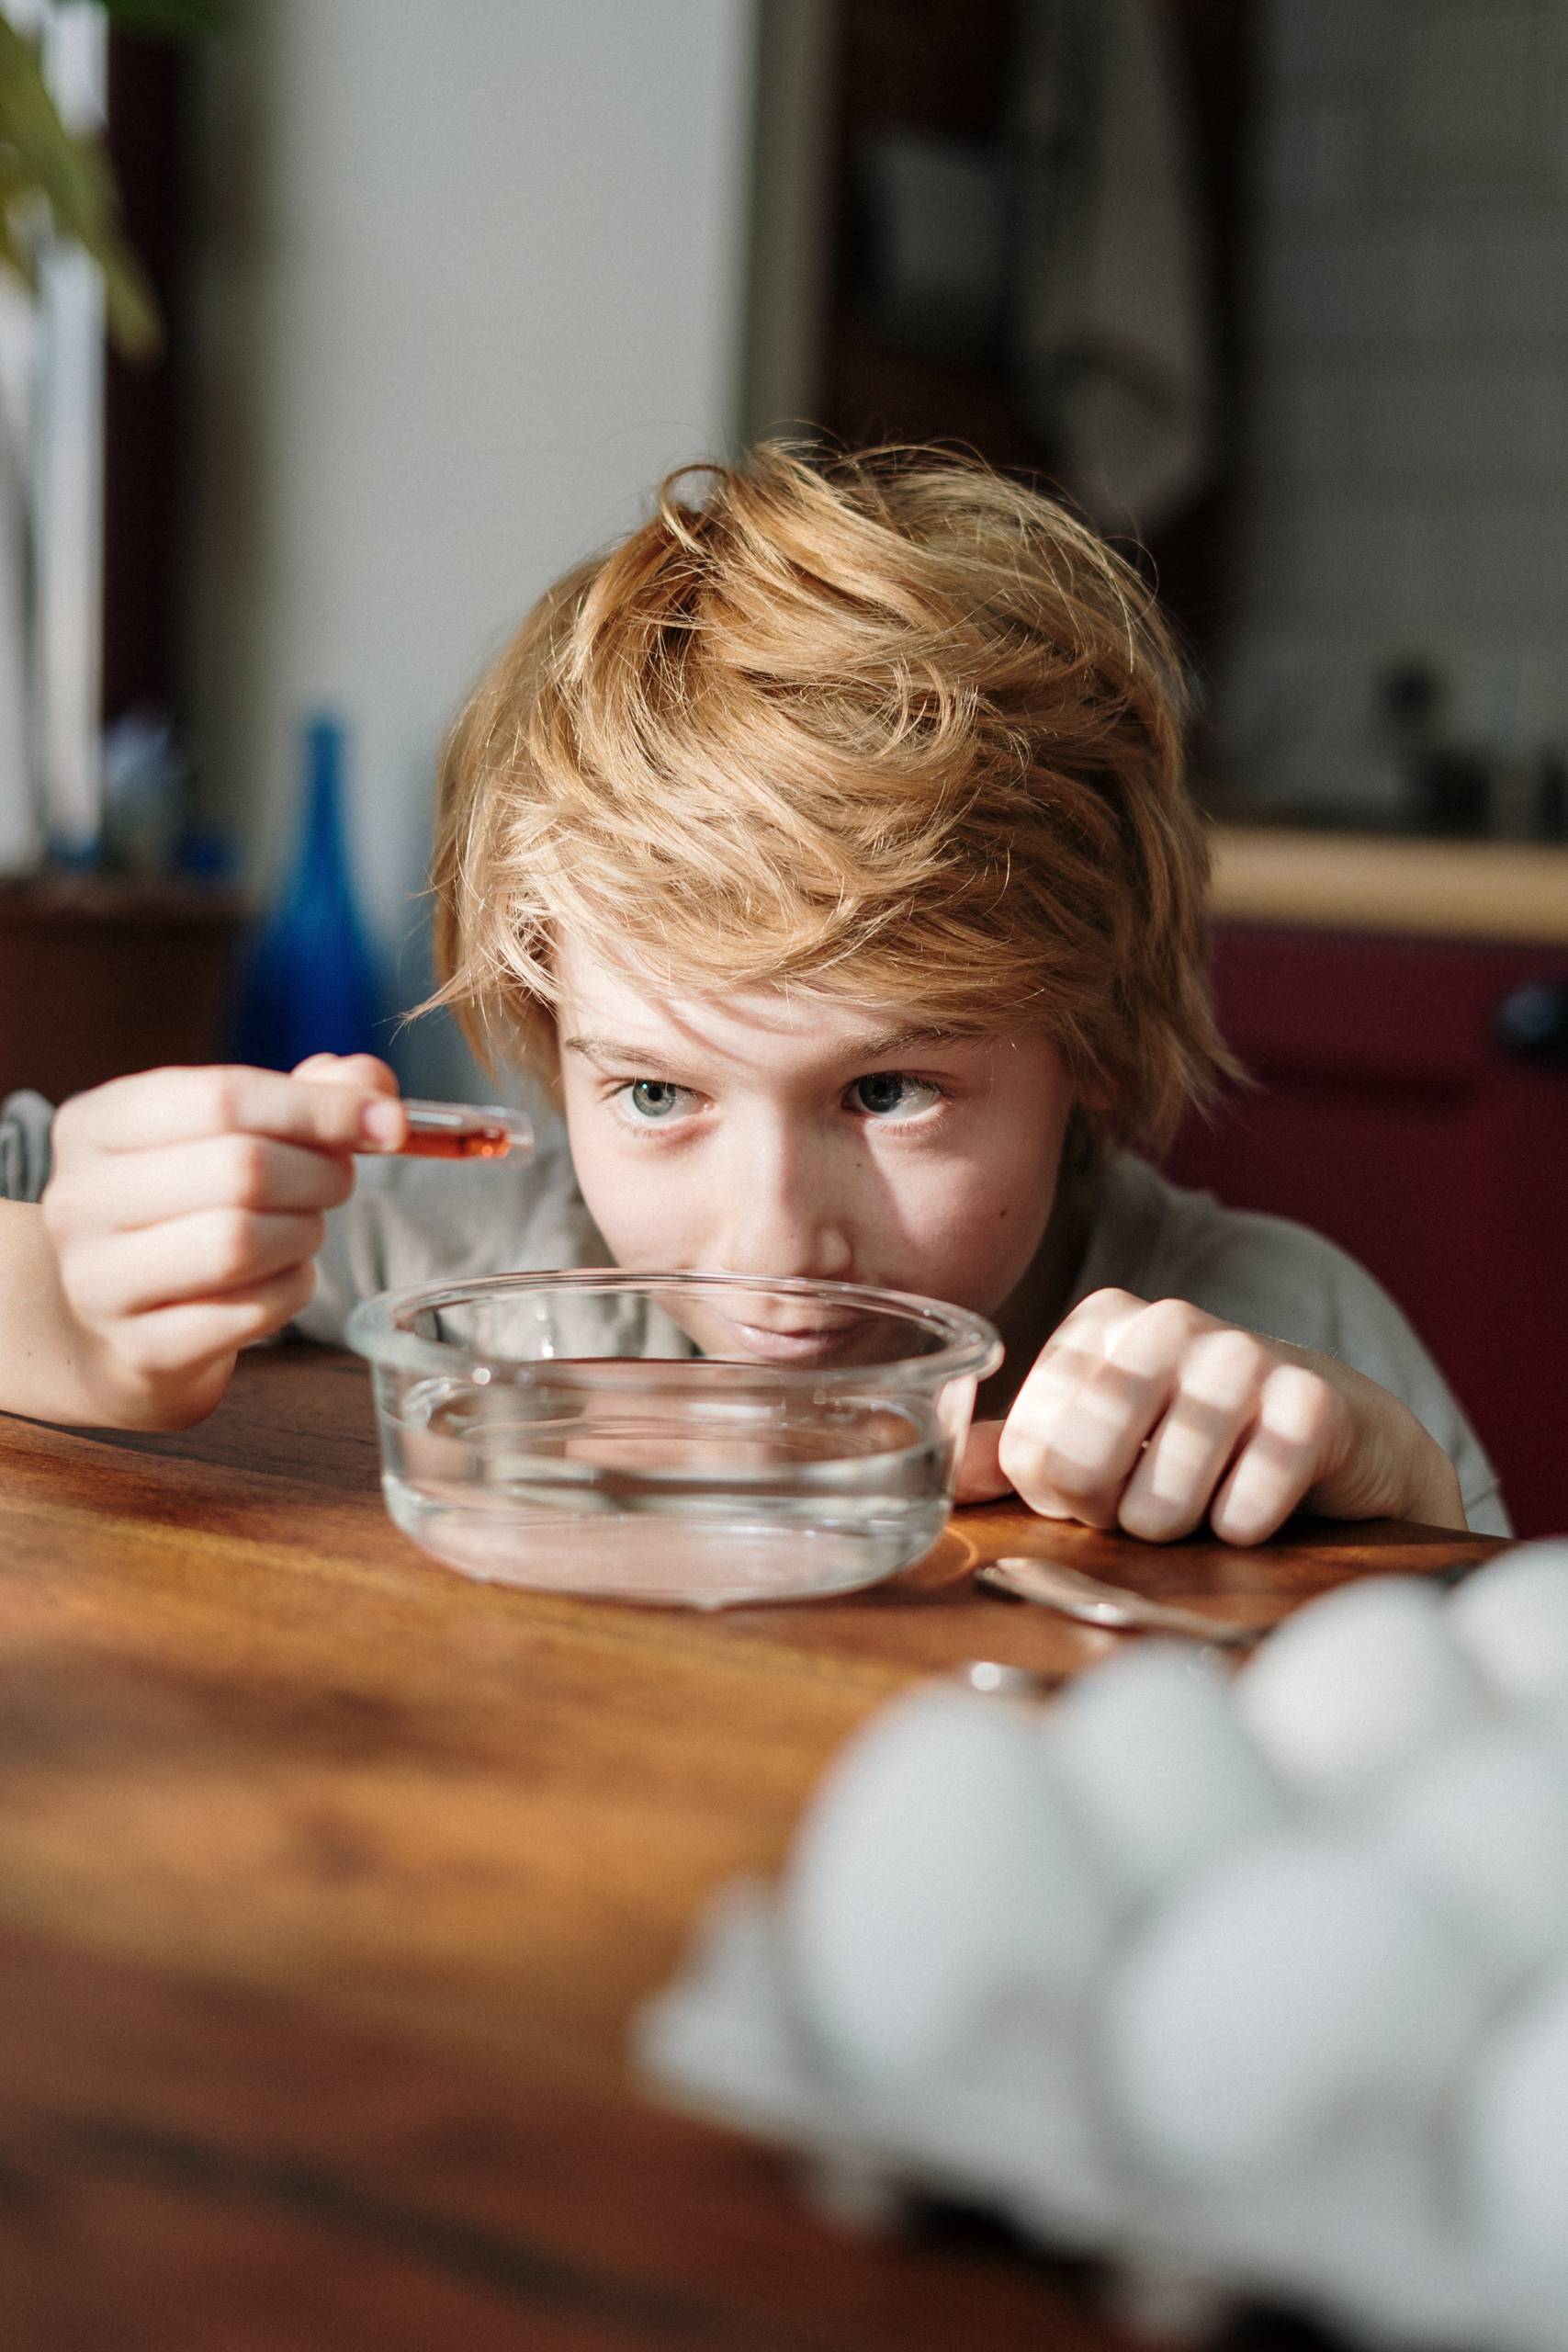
[(825, 851)]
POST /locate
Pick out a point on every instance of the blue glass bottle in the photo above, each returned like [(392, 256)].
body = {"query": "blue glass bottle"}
[(307, 981)]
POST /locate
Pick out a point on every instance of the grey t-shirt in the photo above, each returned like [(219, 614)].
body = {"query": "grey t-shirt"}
[(413, 1221)]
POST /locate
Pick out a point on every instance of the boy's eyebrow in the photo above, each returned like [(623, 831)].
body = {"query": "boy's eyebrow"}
[(856, 1049), (898, 1040), (605, 1049)]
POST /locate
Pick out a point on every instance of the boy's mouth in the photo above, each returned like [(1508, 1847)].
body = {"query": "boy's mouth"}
[(801, 1343)]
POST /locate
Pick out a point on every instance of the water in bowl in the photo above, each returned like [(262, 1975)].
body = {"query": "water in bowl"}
[(702, 1499)]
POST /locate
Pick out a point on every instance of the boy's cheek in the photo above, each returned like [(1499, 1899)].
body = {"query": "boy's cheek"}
[(643, 1216), (982, 1285), (975, 1244)]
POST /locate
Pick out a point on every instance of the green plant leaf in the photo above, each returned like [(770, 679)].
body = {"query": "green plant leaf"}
[(38, 156), (16, 253)]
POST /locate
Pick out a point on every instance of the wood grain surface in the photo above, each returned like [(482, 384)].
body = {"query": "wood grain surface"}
[(329, 1882)]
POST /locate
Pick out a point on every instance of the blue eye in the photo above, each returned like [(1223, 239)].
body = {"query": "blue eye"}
[(653, 1098), (887, 1093)]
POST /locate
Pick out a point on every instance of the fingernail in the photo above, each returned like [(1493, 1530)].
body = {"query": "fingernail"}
[(381, 1123)]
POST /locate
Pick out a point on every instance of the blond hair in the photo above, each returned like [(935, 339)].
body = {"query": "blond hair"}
[(891, 728)]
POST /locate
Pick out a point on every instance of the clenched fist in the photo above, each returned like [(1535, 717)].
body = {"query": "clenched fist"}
[(1154, 1417)]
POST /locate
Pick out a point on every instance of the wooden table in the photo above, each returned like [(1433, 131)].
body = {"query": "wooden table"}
[(329, 1882)]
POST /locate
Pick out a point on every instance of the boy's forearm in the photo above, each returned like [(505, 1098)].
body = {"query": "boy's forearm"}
[(50, 1368)]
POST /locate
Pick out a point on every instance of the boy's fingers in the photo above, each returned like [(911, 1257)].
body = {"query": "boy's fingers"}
[(1177, 1475), (1096, 1319), (1075, 1355), (183, 1338), (1081, 1341), (348, 1069), (1154, 1416), (1074, 1434), (170, 1106), (981, 1478), (1174, 1477), (1281, 1459), (152, 1188), (192, 1257), (383, 1126)]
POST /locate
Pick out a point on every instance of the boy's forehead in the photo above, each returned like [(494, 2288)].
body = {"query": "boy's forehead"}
[(608, 1003)]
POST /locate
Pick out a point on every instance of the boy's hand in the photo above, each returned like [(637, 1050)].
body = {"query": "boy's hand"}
[(1154, 1418), (185, 1208)]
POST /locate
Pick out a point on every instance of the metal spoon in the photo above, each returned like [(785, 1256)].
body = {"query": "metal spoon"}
[(1093, 1602)]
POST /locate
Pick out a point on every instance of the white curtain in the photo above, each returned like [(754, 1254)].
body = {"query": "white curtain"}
[(51, 480), (21, 817)]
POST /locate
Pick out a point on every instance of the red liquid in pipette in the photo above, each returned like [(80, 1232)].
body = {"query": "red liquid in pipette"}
[(464, 1131), (463, 1143)]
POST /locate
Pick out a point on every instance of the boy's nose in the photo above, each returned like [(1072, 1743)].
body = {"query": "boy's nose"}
[(782, 1219)]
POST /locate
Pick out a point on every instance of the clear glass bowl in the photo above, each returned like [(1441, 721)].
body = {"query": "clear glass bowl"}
[(689, 1438)]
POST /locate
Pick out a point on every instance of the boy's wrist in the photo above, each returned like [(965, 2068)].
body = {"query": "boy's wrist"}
[(114, 1391), (1437, 1499), (1386, 1464), (1428, 1490)]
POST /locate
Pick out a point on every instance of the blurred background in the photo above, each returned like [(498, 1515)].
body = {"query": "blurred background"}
[(1276, 291)]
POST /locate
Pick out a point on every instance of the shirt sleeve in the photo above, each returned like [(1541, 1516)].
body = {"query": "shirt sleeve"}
[(26, 1121), (410, 1221)]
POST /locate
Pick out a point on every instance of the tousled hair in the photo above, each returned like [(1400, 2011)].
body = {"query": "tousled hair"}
[(892, 727)]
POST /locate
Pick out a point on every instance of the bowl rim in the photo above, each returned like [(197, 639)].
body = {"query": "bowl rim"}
[(973, 1349)]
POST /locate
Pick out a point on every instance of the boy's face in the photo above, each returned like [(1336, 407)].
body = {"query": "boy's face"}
[(770, 1134)]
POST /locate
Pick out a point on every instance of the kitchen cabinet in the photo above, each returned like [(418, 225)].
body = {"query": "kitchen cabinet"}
[(99, 978), (1413, 1104)]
